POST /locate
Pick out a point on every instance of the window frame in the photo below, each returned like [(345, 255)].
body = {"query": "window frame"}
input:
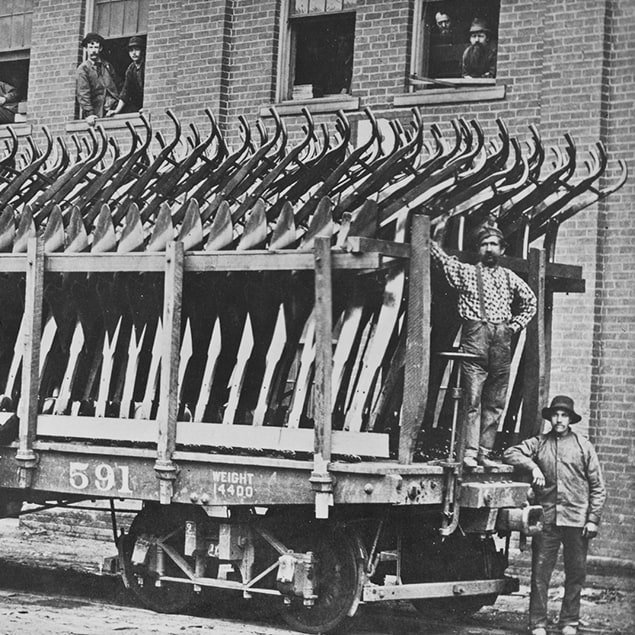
[(119, 120), (285, 70), (419, 42), (19, 54)]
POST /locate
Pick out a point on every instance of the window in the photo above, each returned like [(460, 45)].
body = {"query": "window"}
[(15, 47), (318, 60), (455, 43), (116, 21)]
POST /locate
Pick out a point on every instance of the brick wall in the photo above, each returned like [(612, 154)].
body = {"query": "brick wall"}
[(613, 372), (58, 28)]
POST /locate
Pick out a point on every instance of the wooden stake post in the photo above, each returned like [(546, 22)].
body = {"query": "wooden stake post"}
[(321, 480), (34, 291), (417, 365), (164, 467)]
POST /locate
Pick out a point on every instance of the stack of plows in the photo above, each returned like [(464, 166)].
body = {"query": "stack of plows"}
[(250, 341)]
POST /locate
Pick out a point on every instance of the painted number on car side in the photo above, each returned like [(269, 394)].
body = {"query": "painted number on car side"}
[(103, 477)]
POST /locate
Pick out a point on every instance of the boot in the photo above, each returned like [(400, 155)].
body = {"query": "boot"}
[(486, 462), (470, 462)]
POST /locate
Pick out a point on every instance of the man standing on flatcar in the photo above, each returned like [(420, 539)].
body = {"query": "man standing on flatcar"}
[(568, 483), (493, 304)]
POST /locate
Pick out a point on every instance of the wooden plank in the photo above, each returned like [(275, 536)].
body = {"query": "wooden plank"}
[(534, 396), (567, 278), (417, 368), (256, 260), (324, 349), (190, 433), (29, 399), (169, 400), (360, 244)]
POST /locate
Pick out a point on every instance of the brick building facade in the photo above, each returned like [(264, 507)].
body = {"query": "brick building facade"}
[(563, 65)]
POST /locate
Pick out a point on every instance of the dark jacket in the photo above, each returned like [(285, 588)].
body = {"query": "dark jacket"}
[(11, 95), (574, 490), (132, 91)]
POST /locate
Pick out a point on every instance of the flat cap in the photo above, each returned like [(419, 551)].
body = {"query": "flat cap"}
[(93, 37), (136, 41)]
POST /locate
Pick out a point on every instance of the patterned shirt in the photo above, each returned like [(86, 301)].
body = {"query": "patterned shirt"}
[(574, 491), (506, 297)]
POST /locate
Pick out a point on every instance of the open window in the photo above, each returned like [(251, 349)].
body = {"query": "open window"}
[(318, 57), (15, 52), (455, 43), (117, 21)]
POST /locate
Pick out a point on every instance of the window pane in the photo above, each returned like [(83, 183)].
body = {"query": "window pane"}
[(116, 20), (324, 53), (120, 18), (5, 33), (28, 20), (142, 27), (130, 16), (300, 7), (333, 5), (17, 32), (102, 18), (6, 7), (19, 6), (316, 5)]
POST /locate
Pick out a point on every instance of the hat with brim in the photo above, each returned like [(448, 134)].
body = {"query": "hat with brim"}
[(93, 37), (479, 26), (561, 402), (136, 42)]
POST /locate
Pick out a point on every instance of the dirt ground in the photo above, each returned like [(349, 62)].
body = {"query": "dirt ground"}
[(50, 584)]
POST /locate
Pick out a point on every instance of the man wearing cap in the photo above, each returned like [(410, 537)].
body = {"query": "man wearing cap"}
[(97, 84), (567, 482), (493, 304), (479, 58), (131, 96)]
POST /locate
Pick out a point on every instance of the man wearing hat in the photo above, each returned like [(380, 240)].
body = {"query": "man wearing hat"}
[(479, 58), (494, 304), (567, 482), (131, 96), (97, 84)]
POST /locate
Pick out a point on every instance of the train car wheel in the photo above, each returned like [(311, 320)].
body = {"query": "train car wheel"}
[(338, 581), (155, 522)]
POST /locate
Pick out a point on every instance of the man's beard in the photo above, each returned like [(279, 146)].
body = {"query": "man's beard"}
[(490, 260)]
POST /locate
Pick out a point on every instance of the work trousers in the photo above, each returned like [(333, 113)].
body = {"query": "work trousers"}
[(545, 548), (485, 382)]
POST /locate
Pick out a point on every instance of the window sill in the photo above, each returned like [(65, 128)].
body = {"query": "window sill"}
[(21, 129), (117, 122), (317, 105), (451, 96)]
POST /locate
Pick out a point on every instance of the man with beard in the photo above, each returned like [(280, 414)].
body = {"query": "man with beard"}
[(97, 84), (568, 483), (494, 304), (479, 58)]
